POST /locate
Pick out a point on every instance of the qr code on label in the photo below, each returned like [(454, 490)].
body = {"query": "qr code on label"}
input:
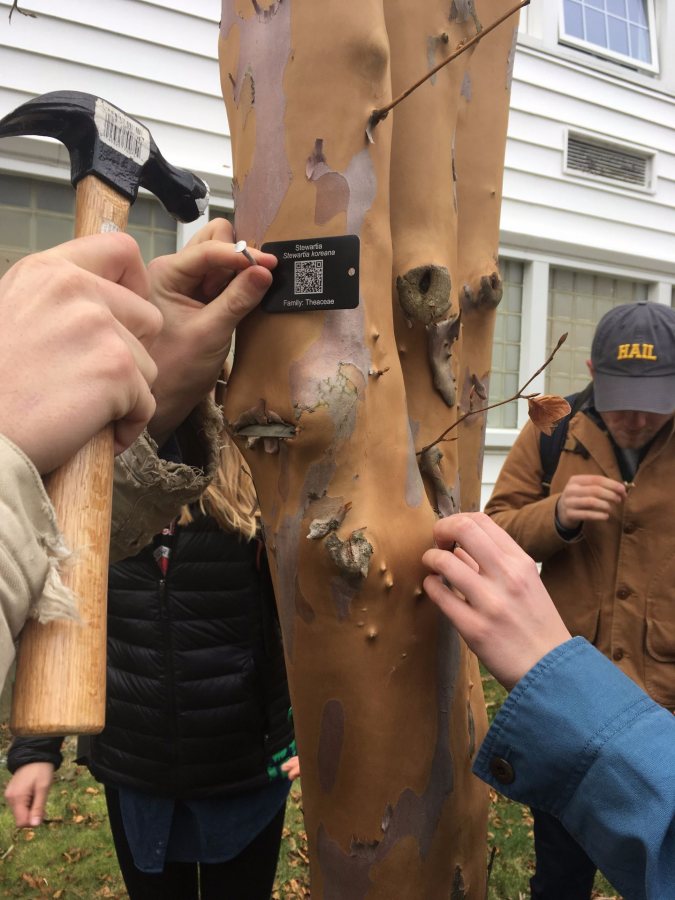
[(308, 276)]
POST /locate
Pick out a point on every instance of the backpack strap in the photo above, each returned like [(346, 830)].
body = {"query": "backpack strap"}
[(551, 445)]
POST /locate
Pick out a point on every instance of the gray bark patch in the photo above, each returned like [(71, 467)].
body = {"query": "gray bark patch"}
[(440, 338), (351, 556), (424, 293)]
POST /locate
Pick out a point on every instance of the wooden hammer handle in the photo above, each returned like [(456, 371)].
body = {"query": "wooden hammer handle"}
[(61, 667)]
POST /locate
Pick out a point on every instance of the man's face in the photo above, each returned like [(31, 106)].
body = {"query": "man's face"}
[(632, 429)]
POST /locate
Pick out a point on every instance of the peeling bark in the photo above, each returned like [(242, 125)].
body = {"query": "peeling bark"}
[(260, 423), (329, 514), (441, 336), (444, 502), (351, 556)]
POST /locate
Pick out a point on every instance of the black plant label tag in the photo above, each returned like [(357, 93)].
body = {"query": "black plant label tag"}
[(314, 274)]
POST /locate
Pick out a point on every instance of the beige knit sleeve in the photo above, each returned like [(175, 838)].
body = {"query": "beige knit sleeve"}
[(32, 552)]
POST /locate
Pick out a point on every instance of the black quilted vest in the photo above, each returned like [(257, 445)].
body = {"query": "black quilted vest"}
[(197, 698)]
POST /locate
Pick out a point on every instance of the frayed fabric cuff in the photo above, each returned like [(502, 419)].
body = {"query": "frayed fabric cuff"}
[(149, 491)]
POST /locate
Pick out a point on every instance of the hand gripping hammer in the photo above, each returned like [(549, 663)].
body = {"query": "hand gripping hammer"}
[(61, 667)]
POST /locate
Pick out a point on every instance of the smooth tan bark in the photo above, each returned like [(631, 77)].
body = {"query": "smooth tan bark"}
[(481, 142), (425, 223), (382, 688)]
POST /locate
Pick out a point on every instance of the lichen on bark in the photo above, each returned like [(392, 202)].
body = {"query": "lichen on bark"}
[(351, 556)]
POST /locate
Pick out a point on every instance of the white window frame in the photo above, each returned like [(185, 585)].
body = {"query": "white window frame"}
[(604, 52)]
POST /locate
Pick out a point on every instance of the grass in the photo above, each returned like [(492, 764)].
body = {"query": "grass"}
[(72, 857)]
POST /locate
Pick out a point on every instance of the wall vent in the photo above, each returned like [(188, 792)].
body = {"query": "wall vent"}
[(611, 162)]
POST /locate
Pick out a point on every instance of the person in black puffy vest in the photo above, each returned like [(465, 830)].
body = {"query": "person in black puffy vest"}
[(198, 752)]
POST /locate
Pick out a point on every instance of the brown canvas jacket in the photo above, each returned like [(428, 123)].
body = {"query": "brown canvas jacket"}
[(615, 583)]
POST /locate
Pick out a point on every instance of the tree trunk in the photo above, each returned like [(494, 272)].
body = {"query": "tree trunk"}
[(387, 701), (481, 141)]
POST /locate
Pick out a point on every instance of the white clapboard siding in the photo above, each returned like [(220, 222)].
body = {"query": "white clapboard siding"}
[(545, 206), (157, 61), (129, 30), (578, 94)]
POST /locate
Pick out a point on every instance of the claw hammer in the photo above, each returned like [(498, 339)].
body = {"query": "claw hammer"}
[(61, 666)]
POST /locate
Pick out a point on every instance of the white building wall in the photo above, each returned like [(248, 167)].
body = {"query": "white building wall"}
[(157, 60), (546, 208)]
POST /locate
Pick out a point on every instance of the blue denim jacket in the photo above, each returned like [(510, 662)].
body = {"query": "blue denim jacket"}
[(581, 741)]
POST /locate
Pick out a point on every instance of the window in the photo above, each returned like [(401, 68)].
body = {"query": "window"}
[(153, 228), (577, 301), (506, 346), (36, 215), (217, 213), (622, 29)]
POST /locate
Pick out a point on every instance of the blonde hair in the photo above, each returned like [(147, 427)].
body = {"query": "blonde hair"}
[(231, 497)]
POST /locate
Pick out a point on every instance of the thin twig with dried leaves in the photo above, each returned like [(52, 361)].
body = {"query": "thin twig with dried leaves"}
[(378, 115), (520, 395)]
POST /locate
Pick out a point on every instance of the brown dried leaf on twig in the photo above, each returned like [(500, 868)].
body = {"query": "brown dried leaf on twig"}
[(546, 411)]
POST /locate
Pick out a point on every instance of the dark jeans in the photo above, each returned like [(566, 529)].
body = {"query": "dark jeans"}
[(249, 876), (563, 870)]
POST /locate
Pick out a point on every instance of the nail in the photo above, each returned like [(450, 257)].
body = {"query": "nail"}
[(240, 247)]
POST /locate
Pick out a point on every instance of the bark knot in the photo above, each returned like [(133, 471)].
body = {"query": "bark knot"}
[(424, 293)]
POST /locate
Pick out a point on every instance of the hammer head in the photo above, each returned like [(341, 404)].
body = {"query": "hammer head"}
[(106, 142)]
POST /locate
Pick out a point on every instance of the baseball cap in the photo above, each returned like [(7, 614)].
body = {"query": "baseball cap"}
[(633, 357)]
